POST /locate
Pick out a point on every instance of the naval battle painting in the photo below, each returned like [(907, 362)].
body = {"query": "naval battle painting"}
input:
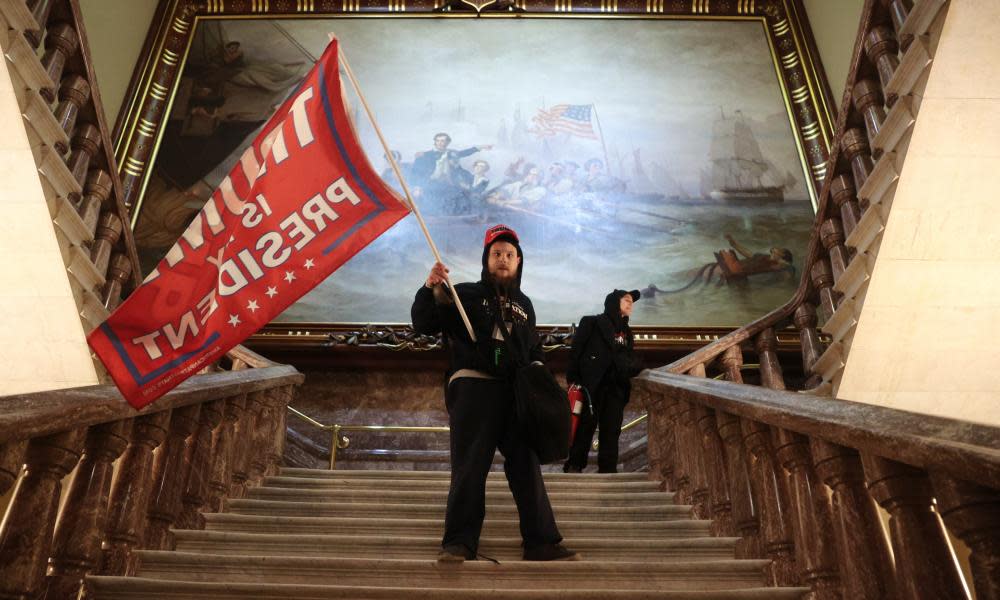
[(651, 154)]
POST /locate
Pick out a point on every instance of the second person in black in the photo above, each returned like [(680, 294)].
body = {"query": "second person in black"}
[(603, 361)]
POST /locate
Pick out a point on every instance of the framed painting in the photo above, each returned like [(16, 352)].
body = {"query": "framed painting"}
[(671, 147)]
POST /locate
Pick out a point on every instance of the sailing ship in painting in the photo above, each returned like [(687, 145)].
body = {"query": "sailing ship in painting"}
[(739, 173)]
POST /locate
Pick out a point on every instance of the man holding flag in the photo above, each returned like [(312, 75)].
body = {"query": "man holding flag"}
[(301, 201), (480, 399)]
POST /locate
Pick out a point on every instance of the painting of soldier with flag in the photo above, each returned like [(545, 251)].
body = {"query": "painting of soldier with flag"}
[(622, 165)]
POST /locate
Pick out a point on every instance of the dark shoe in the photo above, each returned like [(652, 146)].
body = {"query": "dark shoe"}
[(455, 553), (568, 468), (547, 552)]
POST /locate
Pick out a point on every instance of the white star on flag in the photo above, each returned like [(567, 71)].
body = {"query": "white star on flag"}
[(309, 263), (289, 276), (234, 320), (271, 292), (252, 306)]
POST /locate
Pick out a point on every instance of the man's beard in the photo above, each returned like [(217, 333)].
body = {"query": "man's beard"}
[(503, 284)]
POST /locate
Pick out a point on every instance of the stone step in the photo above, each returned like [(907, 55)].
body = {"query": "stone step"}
[(386, 545), (582, 484), (493, 526), (439, 497), (576, 575), (251, 506), (494, 475), (140, 588)]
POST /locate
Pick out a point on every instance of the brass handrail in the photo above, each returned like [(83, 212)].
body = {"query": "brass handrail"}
[(339, 441)]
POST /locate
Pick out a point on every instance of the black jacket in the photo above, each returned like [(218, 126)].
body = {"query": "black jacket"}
[(481, 304), (603, 345)]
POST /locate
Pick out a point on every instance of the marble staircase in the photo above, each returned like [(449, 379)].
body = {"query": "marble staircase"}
[(375, 534)]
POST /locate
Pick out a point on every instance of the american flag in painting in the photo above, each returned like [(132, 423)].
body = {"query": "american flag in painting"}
[(574, 119)]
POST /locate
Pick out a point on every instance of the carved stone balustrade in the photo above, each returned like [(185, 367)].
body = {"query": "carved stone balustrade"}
[(843, 194), (822, 280), (831, 234), (856, 149), (882, 49), (118, 272), (126, 515), (805, 321), (899, 10), (87, 429), (86, 142), (925, 567), (76, 548), (972, 512), (40, 10), (868, 101), (775, 515), (195, 493), (73, 94), (61, 42), (109, 229), (818, 468), (170, 473), (95, 193), (864, 557), (11, 460), (28, 524), (815, 544)]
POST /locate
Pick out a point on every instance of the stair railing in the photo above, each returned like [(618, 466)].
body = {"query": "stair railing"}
[(799, 478), (45, 45), (207, 440), (339, 441)]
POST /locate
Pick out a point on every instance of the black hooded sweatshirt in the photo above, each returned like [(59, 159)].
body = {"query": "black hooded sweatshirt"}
[(489, 355), (603, 345)]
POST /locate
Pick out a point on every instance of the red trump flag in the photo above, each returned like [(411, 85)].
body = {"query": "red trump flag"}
[(300, 202)]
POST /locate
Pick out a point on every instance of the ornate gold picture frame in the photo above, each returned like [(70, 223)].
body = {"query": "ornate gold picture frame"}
[(145, 122)]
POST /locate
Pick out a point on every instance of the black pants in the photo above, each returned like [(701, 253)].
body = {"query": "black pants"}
[(609, 409), (480, 414)]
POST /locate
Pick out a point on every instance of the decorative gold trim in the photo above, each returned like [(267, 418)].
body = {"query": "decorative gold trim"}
[(134, 166), (823, 112), (397, 5), (170, 58), (812, 186), (800, 94), (790, 60), (259, 6), (215, 6), (564, 5), (609, 6), (700, 7), (158, 91), (654, 6), (181, 26), (351, 5), (811, 131), (781, 27), (146, 128), (746, 7)]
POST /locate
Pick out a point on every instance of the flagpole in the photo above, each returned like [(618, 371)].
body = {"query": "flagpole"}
[(406, 189), (607, 161)]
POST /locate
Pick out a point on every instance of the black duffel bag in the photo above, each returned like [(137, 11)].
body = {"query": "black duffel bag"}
[(541, 408)]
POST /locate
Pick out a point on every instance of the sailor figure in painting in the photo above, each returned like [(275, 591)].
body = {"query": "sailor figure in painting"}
[(739, 172), (438, 175)]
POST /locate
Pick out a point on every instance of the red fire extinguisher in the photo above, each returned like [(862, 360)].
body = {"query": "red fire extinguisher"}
[(576, 404)]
